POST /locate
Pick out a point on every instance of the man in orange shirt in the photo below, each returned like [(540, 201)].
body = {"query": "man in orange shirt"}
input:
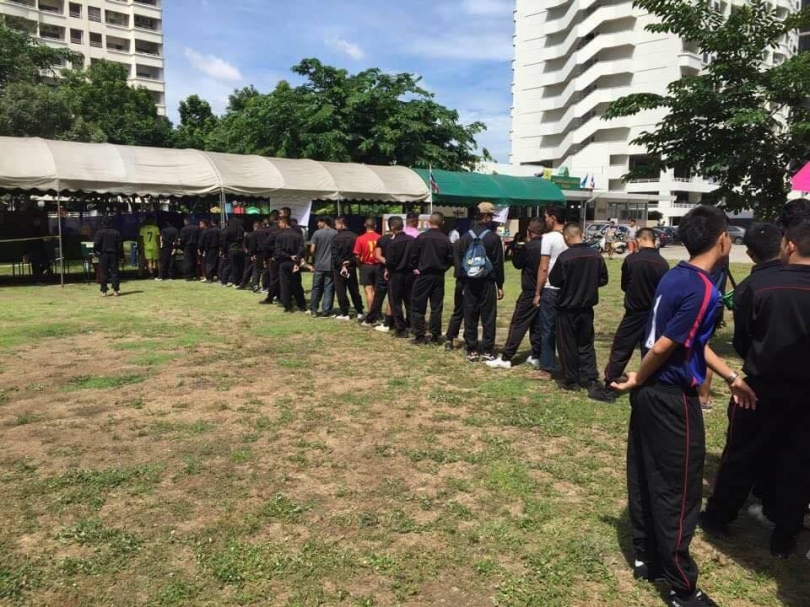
[(365, 250)]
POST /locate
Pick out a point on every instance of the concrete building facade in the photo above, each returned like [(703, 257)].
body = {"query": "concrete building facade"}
[(129, 32), (572, 59)]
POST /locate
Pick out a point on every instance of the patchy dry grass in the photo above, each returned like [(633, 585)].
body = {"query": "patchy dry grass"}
[(185, 446)]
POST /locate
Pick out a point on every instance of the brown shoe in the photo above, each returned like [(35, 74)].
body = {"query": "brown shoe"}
[(544, 375), (116, 294)]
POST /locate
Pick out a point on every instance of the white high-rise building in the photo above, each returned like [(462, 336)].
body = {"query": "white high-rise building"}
[(572, 59), (129, 32)]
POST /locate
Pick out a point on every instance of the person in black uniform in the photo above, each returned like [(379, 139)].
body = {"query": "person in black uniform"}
[(457, 317), (770, 332), (288, 255), (272, 277), (344, 263), (259, 266), (431, 256), (381, 289), (109, 247), (189, 242), (234, 237), (211, 248), (251, 251), (400, 277), (579, 274), (526, 258), (641, 273), (205, 225), (168, 245), (481, 295)]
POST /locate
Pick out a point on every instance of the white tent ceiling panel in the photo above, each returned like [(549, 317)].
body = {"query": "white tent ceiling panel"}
[(37, 164), (26, 164)]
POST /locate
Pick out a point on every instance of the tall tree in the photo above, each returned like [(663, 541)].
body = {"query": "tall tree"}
[(739, 122), (101, 96), (24, 59), (370, 117), (197, 120)]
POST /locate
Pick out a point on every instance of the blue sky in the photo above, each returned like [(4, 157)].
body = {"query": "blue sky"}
[(461, 48)]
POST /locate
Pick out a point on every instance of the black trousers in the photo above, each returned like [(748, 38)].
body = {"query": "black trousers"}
[(454, 328), (345, 288), (291, 288), (190, 262), (274, 284), (225, 268), (480, 304), (400, 293), (575, 335), (666, 448), (380, 293), (248, 274), (629, 336), (167, 269), (427, 288), (236, 259), (108, 270), (525, 318), (767, 451), (211, 264)]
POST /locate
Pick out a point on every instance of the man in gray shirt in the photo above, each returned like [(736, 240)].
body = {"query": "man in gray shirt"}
[(323, 286)]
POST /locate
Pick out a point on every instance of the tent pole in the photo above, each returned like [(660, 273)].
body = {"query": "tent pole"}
[(222, 215), (61, 246)]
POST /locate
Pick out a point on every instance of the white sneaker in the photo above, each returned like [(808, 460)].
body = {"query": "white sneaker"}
[(383, 329), (361, 317), (755, 511), (366, 325), (343, 318), (534, 362), (203, 280), (499, 363)]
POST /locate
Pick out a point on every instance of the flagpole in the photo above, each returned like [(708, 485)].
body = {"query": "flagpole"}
[(430, 187)]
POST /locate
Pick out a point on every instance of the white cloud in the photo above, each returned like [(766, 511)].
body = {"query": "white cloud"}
[(470, 47), (347, 48), (214, 67), (496, 138), (488, 7)]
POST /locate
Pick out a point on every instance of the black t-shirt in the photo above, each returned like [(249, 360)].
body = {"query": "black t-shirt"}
[(168, 237)]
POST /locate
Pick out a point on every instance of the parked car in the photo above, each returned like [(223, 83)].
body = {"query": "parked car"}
[(737, 234), (662, 237)]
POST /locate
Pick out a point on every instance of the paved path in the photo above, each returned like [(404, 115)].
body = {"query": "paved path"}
[(678, 253)]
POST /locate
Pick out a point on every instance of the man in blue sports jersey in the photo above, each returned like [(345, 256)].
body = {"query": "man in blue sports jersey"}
[(667, 440)]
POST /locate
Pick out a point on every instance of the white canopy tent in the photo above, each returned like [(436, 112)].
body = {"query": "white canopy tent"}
[(34, 164)]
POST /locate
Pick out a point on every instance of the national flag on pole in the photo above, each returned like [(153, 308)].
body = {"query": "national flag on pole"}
[(434, 186), (592, 183), (584, 182)]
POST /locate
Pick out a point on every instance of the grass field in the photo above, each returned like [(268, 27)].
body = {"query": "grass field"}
[(182, 445)]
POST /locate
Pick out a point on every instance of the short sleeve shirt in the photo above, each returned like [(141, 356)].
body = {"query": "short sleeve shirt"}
[(365, 248), (553, 245), (686, 304), (322, 240)]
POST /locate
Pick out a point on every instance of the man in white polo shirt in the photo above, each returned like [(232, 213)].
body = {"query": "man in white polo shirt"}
[(545, 297)]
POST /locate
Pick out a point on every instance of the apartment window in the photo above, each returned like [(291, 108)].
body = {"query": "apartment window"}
[(94, 13), (51, 32), (76, 36), (119, 19), (75, 10), (147, 23), (95, 40), (49, 7)]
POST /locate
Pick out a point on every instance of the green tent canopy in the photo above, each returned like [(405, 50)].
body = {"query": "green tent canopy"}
[(458, 189)]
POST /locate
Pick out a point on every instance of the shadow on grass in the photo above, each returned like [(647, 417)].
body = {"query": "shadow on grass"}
[(748, 547)]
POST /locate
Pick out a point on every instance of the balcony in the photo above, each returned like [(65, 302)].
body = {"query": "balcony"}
[(96, 40), (26, 3), (56, 9), (94, 14), (147, 48), (151, 3), (118, 44), (146, 23), (50, 32), (116, 19)]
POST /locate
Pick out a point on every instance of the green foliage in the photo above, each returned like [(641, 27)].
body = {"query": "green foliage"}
[(197, 120), (369, 117), (23, 59), (739, 123)]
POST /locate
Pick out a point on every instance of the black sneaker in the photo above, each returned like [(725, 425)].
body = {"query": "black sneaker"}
[(782, 545), (449, 346), (266, 302), (472, 357), (643, 571), (714, 528), (598, 392), (697, 599), (568, 387), (402, 335), (419, 341), (487, 357)]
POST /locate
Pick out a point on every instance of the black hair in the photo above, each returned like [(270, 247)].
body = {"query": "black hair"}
[(327, 220), (794, 211), (437, 219), (646, 233), (764, 240), (799, 235), (274, 215), (106, 222), (341, 219), (370, 223), (395, 224), (701, 227), (286, 211), (556, 211), (537, 226), (572, 229), (412, 216)]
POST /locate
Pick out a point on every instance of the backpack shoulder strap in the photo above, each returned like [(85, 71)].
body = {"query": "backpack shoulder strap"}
[(484, 233), (472, 234)]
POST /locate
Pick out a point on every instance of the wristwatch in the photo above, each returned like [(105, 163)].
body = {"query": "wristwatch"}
[(732, 378)]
